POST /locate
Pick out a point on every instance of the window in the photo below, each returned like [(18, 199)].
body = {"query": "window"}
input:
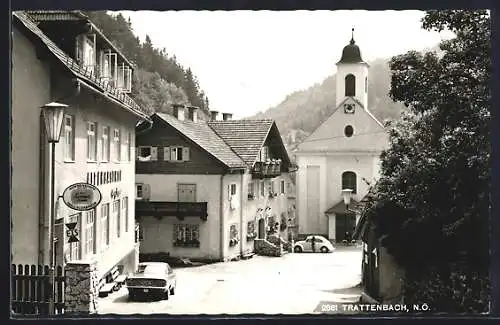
[(125, 212), (69, 137), (250, 191), (186, 235), (176, 154), (233, 235), (264, 153), (117, 217), (88, 54), (105, 224), (141, 191), (262, 189), (74, 248), (105, 143), (350, 85), (90, 248), (282, 187), (128, 144), (348, 131), (251, 234), (232, 189), (91, 141), (124, 82), (146, 153), (349, 181), (116, 145)]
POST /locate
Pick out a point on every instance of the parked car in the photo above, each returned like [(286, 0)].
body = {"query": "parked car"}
[(152, 279), (321, 244)]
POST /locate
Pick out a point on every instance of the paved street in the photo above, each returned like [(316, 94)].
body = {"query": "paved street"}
[(292, 284)]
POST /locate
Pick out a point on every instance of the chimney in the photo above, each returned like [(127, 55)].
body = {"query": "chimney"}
[(227, 116), (193, 113), (213, 115), (178, 111)]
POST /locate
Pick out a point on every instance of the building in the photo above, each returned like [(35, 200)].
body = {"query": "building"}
[(342, 153), (60, 56), (205, 190)]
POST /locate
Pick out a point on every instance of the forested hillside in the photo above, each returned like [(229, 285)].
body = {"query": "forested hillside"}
[(303, 111), (159, 80)]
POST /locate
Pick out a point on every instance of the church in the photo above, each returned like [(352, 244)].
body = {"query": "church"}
[(341, 153)]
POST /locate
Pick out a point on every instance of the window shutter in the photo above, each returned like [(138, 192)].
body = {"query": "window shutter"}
[(79, 48), (128, 86), (173, 153), (136, 153), (229, 191), (154, 153), (166, 153), (146, 191), (185, 154)]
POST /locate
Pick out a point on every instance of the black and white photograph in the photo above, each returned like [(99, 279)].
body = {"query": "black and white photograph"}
[(202, 163)]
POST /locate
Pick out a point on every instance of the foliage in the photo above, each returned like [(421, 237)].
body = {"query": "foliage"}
[(435, 176), (159, 80)]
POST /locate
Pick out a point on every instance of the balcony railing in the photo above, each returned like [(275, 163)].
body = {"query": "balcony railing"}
[(172, 209), (267, 169)]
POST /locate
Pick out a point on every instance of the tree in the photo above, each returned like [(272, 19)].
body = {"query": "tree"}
[(439, 160)]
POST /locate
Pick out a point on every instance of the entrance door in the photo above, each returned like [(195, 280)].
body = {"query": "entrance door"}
[(262, 229), (186, 192), (344, 222)]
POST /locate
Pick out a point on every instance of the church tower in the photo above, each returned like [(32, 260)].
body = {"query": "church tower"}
[(352, 75)]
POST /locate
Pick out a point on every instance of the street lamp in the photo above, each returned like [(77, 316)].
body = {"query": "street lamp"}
[(53, 114), (346, 194)]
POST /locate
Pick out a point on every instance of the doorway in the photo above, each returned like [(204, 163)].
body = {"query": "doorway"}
[(344, 222), (262, 228)]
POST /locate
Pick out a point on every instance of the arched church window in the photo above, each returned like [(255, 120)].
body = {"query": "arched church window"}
[(349, 181), (350, 85)]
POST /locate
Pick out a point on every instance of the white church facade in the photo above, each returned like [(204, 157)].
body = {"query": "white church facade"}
[(342, 153)]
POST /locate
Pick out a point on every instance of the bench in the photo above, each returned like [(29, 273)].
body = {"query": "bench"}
[(109, 283), (106, 289)]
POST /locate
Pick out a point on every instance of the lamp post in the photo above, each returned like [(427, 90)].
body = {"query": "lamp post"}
[(346, 194), (53, 114)]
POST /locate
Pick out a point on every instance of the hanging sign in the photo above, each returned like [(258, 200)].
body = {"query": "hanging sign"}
[(82, 196), (72, 232)]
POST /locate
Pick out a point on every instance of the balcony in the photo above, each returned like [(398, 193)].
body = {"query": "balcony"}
[(267, 169), (171, 209)]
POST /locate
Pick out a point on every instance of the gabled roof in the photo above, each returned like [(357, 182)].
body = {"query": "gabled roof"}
[(74, 15), (203, 135), (245, 137), (340, 207), (75, 69)]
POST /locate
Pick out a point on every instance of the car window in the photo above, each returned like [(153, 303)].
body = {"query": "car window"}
[(151, 269), (318, 240), (308, 240)]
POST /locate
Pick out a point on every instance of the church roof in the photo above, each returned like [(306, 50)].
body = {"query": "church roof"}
[(351, 53)]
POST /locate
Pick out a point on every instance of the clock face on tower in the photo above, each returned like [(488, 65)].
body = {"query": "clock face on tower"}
[(349, 108)]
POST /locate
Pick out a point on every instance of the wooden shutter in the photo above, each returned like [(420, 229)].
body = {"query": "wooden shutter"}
[(229, 191), (79, 49), (146, 191), (166, 153), (154, 153), (173, 153), (185, 154)]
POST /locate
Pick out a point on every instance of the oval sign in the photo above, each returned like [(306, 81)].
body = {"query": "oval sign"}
[(82, 196)]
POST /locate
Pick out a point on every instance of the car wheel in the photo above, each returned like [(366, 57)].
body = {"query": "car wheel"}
[(172, 291), (324, 249), (297, 249), (131, 296)]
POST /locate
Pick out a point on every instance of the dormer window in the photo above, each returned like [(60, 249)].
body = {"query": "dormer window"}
[(124, 81), (86, 52)]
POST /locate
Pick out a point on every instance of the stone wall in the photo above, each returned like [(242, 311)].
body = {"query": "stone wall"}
[(81, 291), (265, 248)]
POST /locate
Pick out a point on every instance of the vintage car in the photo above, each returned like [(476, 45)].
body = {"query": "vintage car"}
[(321, 244), (152, 279)]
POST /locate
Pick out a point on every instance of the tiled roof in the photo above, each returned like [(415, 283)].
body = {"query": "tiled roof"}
[(78, 71), (340, 207), (206, 138), (245, 137)]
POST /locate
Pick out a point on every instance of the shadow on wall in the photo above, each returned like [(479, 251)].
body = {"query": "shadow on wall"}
[(174, 261)]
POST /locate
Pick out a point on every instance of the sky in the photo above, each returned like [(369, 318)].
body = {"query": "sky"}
[(249, 61)]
